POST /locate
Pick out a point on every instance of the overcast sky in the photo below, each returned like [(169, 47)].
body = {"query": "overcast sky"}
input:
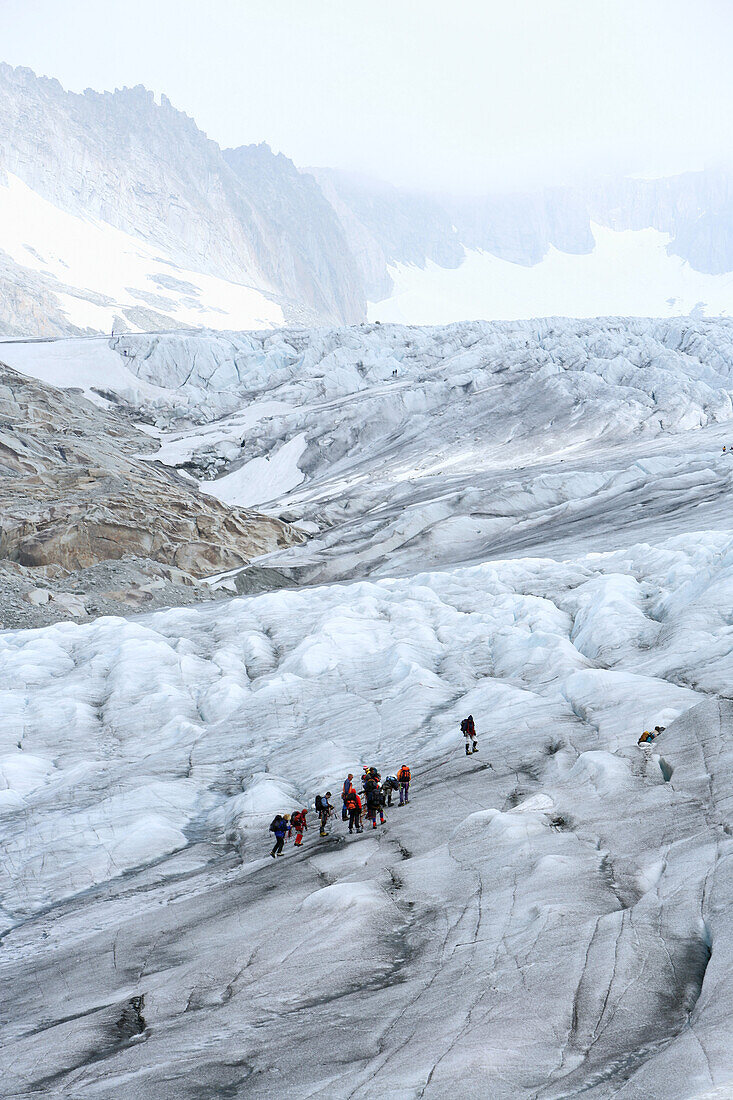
[(435, 93)]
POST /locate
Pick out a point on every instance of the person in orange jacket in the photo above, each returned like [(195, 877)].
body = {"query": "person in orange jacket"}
[(353, 805), (403, 775)]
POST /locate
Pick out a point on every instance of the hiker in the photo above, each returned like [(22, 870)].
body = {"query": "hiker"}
[(324, 810), (403, 776), (353, 803), (374, 802), (300, 825), (280, 826), (390, 786), (368, 783), (646, 738), (372, 774), (348, 786), (659, 729), (468, 729)]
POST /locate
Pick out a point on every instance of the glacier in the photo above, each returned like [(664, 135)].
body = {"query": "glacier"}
[(529, 521)]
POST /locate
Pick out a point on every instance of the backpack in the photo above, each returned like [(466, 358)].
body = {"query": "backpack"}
[(404, 775), (274, 822), (392, 782), (464, 726), (319, 804)]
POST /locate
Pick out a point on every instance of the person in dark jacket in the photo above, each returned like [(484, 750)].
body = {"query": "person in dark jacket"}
[(374, 801), (468, 729), (325, 811), (390, 786), (280, 826)]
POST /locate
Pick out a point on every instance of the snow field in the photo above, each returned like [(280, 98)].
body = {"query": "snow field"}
[(112, 270), (629, 273)]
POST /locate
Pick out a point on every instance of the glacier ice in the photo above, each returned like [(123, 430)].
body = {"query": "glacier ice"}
[(530, 523)]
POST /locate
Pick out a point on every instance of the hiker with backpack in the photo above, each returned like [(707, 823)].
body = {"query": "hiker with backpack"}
[(353, 803), (370, 775), (299, 823), (468, 729), (390, 786), (324, 810), (403, 776), (374, 797), (346, 789), (280, 826)]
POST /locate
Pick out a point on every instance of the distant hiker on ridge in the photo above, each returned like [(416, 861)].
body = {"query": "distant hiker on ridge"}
[(649, 735), (468, 729)]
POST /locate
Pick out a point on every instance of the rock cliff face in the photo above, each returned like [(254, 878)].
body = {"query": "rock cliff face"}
[(298, 238), (146, 169), (73, 495)]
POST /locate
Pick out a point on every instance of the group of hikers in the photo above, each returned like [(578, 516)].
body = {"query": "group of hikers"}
[(374, 796)]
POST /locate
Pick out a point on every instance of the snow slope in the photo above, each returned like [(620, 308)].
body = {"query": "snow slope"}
[(548, 918), (628, 273), (104, 275)]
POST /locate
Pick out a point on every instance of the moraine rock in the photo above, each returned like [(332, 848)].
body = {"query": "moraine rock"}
[(74, 494)]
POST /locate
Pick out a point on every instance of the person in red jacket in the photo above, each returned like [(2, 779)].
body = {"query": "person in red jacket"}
[(353, 805), (300, 825)]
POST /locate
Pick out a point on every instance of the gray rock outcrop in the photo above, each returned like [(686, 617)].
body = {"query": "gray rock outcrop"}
[(74, 496)]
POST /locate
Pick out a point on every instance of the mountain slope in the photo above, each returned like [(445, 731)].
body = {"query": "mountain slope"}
[(147, 170), (118, 212)]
